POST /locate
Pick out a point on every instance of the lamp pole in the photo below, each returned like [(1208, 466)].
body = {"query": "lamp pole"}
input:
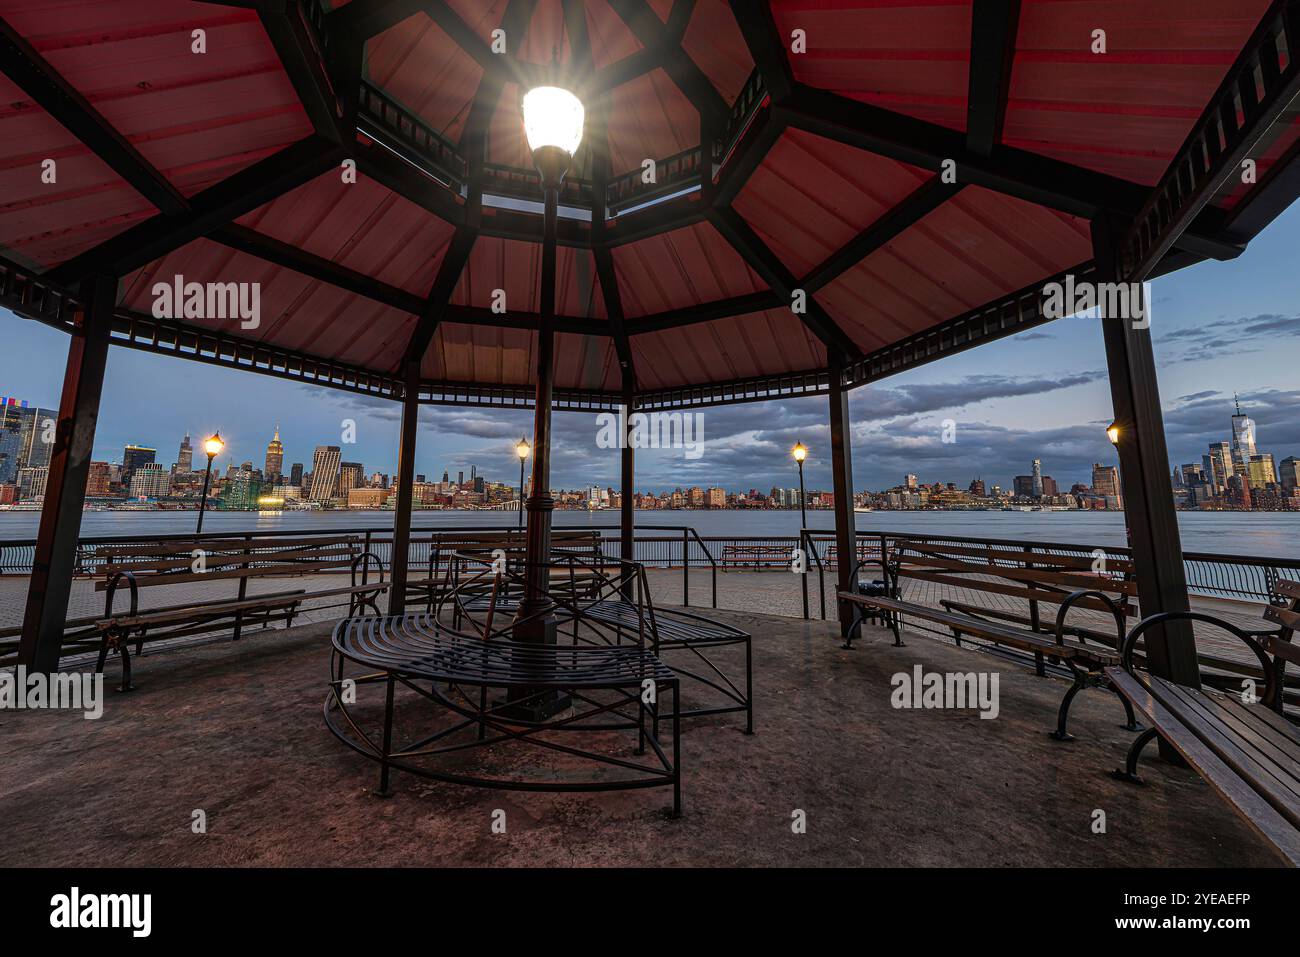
[(522, 451), (212, 447), (800, 452)]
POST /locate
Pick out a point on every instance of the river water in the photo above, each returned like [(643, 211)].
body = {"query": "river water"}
[(1256, 534)]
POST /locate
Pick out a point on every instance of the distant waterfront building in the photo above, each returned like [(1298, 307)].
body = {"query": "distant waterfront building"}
[(1048, 486), (351, 475), (1036, 470), (31, 482), (1289, 469), (274, 458), (1105, 484), (1218, 465), (134, 456), (977, 488), (295, 474), (715, 498), (909, 480), (97, 482), (1260, 472), (185, 456), (325, 473), (1023, 485), (367, 497), (26, 435), (1243, 439), (150, 480)]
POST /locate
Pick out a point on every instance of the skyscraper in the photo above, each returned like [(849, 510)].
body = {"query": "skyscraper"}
[(1037, 472), (1243, 439), (1218, 465), (295, 474), (134, 456), (1105, 483), (185, 457), (325, 473), (351, 475), (274, 459)]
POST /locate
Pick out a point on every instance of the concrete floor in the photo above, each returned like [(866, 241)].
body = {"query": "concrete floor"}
[(236, 730)]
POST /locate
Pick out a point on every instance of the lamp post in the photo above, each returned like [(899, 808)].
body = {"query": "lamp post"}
[(522, 450), (553, 120), (800, 452), (212, 446)]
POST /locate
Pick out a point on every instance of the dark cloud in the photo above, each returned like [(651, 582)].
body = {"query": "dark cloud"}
[(1228, 337)]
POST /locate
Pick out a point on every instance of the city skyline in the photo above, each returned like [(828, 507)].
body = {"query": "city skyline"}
[(1219, 327)]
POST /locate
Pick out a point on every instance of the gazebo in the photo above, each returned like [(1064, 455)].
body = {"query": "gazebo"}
[(769, 200)]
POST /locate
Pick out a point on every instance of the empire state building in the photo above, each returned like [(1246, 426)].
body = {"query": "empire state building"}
[(274, 459)]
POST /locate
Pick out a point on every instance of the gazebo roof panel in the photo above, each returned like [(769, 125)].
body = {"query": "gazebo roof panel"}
[(546, 39), (422, 68), (685, 267), (196, 117), (361, 226), (650, 119), (912, 57), (741, 347), (1125, 111), (714, 41), (586, 362), (515, 268), (468, 353), (811, 195), (1287, 131), (43, 224), (990, 245), (611, 40)]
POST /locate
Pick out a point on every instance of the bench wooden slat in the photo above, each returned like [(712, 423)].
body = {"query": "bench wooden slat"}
[(1202, 717), (1080, 562), (984, 629), (1015, 591), (1288, 588), (217, 545), (214, 562), (1258, 813), (195, 612), (1285, 617), (1073, 580), (168, 578), (1281, 649)]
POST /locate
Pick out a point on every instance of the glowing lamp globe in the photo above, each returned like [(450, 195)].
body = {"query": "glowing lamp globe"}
[(214, 445), (1112, 433), (552, 117), (799, 452), (522, 449)]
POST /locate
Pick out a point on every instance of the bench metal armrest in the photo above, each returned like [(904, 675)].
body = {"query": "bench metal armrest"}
[(1272, 692), (1115, 609)]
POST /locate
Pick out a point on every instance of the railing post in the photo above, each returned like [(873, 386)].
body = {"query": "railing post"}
[(686, 568)]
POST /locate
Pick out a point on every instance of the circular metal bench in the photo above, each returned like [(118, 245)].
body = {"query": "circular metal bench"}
[(418, 653)]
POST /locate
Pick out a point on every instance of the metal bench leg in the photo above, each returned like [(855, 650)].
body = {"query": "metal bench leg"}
[(124, 653), (895, 622), (749, 686), (385, 790), (1133, 723), (1080, 681), (677, 751), (1038, 665), (1129, 773)]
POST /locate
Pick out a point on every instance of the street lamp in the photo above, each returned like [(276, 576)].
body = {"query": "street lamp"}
[(553, 120), (522, 450), (212, 446), (800, 452), (1112, 433)]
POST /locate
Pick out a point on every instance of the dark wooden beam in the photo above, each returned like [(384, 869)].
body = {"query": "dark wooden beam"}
[(650, 31), (766, 46), (1038, 179), (994, 24), (773, 271), (679, 18), (55, 558), (705, 312), (362, 19), (299, 260), (926, 198), (1256, 91), (215, 206), (295, 46), (405, 487), (846, 537), (35, 77)]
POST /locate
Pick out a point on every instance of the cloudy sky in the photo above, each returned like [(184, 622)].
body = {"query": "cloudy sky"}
[(1218, 327)]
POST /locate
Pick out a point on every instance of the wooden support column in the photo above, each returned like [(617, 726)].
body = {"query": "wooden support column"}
[(627, 511), (405, 488), (842, 477), (1144, 476), (65, 487)]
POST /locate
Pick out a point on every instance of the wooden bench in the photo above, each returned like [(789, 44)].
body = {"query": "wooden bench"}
[(241, 560), (756, 556), (1066, 581), (1243, 746)]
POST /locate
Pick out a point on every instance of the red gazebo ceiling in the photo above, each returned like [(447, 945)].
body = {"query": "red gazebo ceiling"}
[(199, 119)]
